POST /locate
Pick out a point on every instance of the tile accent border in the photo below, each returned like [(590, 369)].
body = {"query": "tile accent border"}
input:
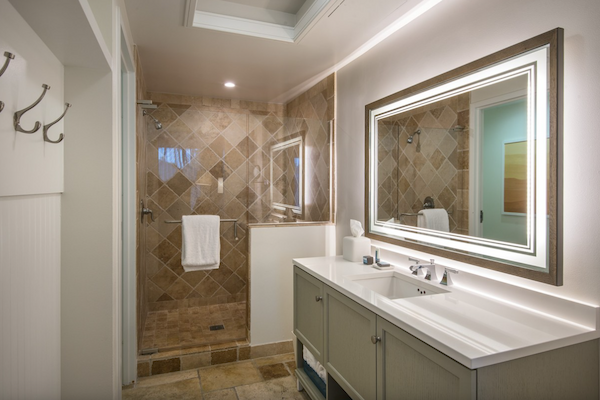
[(205, 356)]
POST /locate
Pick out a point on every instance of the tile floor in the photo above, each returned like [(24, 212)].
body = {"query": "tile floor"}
[(171, 329), (261, 378)]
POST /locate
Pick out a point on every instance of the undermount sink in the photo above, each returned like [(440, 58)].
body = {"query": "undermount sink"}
[(394, 285)]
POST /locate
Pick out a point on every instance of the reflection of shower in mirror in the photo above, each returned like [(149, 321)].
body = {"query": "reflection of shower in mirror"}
[(410, 139)]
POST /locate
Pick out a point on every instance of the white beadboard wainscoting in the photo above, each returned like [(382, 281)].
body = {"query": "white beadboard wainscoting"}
[(30, 297)]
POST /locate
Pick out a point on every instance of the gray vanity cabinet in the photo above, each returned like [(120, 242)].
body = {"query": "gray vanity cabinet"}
[(350, 355), (308, 312), (370, 358), (410, 369), (367, 357)]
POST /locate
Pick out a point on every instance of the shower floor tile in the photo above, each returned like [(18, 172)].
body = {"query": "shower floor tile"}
[(187, 327)]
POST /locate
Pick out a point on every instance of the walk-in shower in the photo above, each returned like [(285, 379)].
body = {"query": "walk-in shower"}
[(213, 159)]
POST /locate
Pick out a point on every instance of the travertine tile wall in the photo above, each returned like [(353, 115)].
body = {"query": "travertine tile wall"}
[(140, 190), (203, 140), (387, 170), (312, 114), (440, 169)]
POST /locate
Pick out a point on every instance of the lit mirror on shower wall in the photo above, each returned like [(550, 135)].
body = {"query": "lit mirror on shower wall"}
[(286, 170), (481, 144)]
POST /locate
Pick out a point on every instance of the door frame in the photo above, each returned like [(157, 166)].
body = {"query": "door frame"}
[(127, 79), (475, 158)]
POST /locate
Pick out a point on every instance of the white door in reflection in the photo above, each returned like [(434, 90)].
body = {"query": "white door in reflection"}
[(503, 210)]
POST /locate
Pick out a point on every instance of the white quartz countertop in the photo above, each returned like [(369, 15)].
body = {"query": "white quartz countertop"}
[(472, 328)]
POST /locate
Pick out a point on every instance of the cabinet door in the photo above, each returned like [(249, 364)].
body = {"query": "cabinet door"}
[(350, 355), (308, 312), (411, 369)]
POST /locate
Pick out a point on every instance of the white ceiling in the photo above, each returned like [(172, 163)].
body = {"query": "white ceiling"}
[(195, 61)]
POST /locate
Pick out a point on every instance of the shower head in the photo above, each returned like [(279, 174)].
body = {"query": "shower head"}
[(157, 123), (410, 138)]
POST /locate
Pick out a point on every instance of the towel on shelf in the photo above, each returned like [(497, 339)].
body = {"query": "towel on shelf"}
[(433, 218), (314, 364), (201, 245)]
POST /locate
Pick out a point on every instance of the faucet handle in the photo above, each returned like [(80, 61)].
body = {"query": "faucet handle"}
[(416, 267), (431, 275), (446, 279)]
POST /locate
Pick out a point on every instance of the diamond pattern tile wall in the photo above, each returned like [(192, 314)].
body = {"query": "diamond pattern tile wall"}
[(203, 140), (198, 145), (311, 114)]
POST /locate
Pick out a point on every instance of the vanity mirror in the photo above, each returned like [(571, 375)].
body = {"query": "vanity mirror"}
[(467, 165)]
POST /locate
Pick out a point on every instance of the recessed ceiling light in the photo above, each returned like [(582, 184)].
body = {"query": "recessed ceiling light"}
[(229, 84)]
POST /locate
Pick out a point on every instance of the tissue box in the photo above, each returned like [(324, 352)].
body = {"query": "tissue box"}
[(354, 248)]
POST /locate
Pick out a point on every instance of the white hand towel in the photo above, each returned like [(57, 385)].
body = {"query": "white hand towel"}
[(201, 245), (434, 218)]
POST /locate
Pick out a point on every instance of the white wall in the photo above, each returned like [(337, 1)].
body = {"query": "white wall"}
[(31, 179), (84, 35), (87, 246), (452, 34), (28, 165), (272, 249)]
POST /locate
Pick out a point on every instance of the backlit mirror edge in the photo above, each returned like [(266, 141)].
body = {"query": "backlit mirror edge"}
[(554, 276)]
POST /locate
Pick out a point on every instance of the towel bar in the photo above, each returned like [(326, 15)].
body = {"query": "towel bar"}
[(178, 221), (415, 214)]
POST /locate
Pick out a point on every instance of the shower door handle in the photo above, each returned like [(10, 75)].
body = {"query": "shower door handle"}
[(145, 211)]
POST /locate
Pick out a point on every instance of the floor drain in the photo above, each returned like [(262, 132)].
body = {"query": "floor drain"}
[(216, 327)]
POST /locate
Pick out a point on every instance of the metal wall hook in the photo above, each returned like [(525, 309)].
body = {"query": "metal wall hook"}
[(46, 127), (9, 56), (19, 114)]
